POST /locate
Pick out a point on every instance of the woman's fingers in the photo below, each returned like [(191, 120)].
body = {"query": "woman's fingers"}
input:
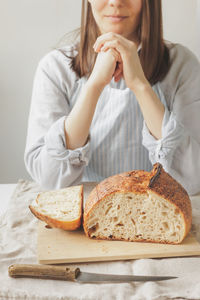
[(113, 40), (127, 50), (113, 44), (105, 67), (119, 66), (115, 53), (100, 41), (109, 47), (118, 72)]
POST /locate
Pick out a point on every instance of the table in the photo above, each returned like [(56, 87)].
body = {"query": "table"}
[(18, 238)]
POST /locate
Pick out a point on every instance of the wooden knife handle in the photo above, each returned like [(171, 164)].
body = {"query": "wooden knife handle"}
[(43, 271)]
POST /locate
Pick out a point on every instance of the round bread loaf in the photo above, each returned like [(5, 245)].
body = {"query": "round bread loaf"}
[(139, 206)]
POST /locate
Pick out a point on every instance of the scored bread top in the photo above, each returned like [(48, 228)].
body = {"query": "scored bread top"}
[(133, 181)]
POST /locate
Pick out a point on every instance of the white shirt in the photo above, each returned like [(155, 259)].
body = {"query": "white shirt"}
[(119, 139)]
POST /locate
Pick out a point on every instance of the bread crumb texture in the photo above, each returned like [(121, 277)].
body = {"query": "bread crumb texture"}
[(60, 208), (61, 205)]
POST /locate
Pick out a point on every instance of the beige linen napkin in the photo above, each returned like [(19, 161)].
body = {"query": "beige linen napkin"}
[(18, 245)]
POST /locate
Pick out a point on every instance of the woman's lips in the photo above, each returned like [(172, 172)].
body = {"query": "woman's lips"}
[(116, 19)]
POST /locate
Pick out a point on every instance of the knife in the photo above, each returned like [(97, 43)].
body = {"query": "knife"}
[(74, 274)]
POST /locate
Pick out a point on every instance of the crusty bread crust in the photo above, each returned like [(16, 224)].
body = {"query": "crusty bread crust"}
[(141, 182), (134, 181), (164, 185), (53, 222), (65, 225)]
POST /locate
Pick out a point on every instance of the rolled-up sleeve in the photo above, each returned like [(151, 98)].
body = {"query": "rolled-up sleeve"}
[(179, 148), (56, 146), (47, 158), (162, 150)]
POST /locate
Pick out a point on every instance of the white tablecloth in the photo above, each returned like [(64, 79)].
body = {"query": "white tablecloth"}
[(18, 245), (6, 191)]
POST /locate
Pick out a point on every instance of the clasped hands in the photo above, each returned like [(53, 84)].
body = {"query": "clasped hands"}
[(117, 57)]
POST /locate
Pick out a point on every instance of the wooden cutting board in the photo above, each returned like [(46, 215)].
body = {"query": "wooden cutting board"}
[(58, 246)]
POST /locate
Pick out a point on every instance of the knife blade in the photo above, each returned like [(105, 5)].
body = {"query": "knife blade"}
[(74, 274)]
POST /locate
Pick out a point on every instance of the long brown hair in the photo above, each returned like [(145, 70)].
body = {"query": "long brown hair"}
[(154, 54)]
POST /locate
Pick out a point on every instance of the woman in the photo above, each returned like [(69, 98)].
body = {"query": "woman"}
[(120, 99)]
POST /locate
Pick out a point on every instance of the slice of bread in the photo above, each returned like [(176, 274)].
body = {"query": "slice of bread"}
[(60, 208), (139, 206)]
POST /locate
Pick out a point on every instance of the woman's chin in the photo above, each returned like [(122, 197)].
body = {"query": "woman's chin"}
[(122, 33), (115, 30)]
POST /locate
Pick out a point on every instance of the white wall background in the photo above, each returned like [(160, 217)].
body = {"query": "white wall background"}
[(31, 28), (181, 22)]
